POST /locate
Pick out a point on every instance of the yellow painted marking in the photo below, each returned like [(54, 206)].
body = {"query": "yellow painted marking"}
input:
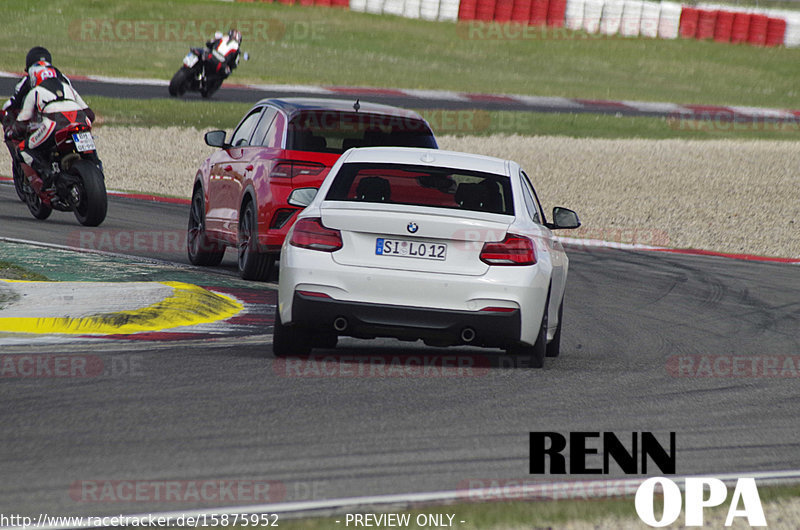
[(187, 306)]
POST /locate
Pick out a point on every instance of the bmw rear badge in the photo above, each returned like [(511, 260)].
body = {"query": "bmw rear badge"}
[(412, 227)]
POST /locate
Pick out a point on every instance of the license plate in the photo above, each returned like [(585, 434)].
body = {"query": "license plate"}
[(83, 141), (410, 249), (190, 60)]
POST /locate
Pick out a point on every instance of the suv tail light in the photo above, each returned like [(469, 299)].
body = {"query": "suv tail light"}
[(310, 233), (288, 169), (513, 250)]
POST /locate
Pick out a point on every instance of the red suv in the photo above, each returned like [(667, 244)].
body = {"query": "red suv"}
[(240, 192)]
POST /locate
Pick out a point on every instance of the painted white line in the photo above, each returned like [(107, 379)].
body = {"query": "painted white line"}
[(128, 80), (646, 106), (535, 491), (446, 95), (561, 103), (759, 112), (308, 89)]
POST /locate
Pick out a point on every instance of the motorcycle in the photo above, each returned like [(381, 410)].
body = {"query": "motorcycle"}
[(78, 182), (201, 72)]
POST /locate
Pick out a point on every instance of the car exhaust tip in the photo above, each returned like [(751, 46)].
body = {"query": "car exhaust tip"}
[(340, 324), (467, 335)]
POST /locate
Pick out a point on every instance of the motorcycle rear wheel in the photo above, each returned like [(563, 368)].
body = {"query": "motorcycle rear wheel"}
[(37, 208), (179, 82), (88, 194)]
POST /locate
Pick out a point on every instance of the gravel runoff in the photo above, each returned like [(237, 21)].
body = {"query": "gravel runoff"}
[(725, 195)]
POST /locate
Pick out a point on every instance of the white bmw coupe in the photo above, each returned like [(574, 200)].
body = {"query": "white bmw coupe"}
[(450, 248)]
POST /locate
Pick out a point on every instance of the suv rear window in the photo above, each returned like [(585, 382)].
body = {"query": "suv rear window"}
[(337, 131), (423, 186)]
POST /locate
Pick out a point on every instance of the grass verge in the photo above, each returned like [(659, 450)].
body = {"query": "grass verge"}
[(207, 115), (12, 271), (317, 45)]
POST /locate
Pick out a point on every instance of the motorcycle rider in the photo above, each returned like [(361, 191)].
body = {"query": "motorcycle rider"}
[(225, 49), (48, 101)]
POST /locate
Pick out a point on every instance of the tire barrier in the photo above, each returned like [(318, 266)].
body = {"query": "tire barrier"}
[(627, 18)]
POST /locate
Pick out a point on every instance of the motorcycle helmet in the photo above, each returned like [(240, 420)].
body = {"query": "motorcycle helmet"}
[(36, 54), (235, 34)]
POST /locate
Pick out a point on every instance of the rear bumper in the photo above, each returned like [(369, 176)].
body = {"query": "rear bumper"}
[(440, 326)]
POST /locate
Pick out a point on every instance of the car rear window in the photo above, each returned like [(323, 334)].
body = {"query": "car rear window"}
[(423, 186), (337, 131)]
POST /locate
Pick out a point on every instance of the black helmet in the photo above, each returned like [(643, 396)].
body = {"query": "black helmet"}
[(36, 54)]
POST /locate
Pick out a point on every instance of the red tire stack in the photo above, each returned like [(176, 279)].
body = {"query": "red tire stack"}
[(502, 10), (706, 21), (485, 10), (776, 30), (466, 9), (538, 16), (556, 12), (758, 29), (521, 12), (740, 29), (724, 27), (688, 24)]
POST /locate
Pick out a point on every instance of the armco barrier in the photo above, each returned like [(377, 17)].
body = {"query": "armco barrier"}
[(631, 18), (740, 28)]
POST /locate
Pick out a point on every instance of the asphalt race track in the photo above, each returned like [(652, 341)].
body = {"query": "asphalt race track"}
[(227, 409), (231, 93)]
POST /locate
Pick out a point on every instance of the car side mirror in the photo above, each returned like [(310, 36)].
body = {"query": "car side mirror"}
[(564, 218), (302, 197), (216, 139)]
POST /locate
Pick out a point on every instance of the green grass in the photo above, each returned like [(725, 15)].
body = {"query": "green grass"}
[(334, 46), (535, 514), (207, 115), (12, 271)]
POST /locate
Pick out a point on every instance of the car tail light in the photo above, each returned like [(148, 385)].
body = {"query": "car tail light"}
[(513, 250), (493, 309), (310, 233), (314, 294), (287, 169)]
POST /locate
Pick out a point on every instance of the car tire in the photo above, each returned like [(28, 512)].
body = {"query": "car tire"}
[(201, 250), (554, 346), (253, 265), (536, 353), (289, 340)]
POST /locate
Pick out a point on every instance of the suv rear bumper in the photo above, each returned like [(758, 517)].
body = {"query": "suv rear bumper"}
[(438, 326)]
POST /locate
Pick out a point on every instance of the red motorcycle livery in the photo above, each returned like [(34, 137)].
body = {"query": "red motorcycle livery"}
[(76, 182)]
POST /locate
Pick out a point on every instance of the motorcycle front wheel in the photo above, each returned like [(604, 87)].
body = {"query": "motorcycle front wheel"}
[(88, 193), (180, 82), (19, 180), (37, 208)]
